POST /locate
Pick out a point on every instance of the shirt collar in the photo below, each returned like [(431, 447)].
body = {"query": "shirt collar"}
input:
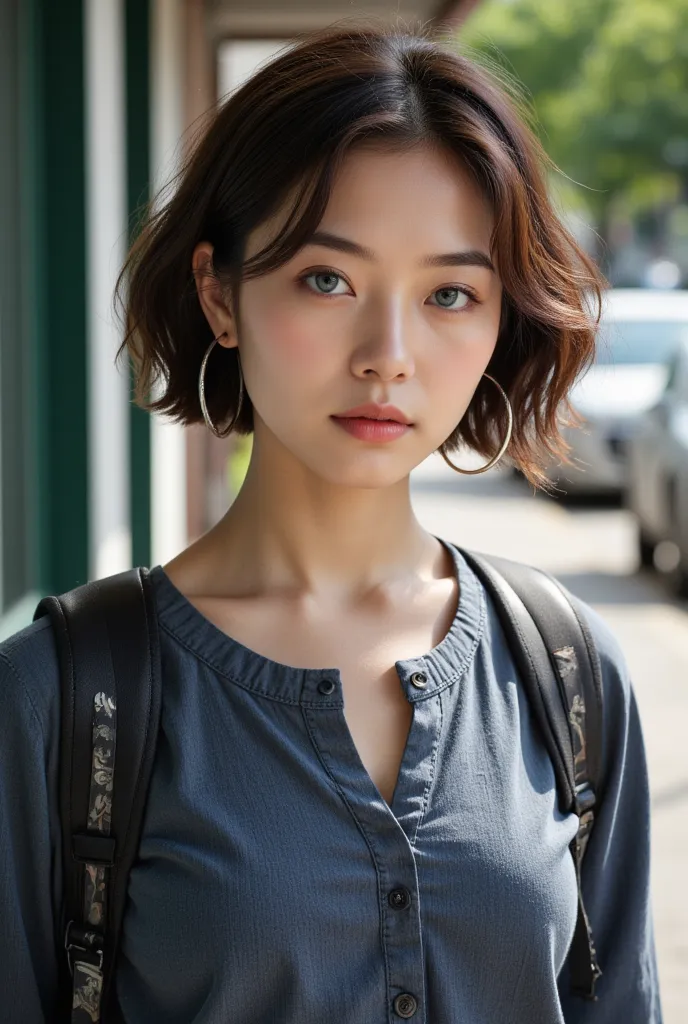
[(420, 677)]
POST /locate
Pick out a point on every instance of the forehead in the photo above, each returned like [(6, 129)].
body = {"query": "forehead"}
[(406, 202)]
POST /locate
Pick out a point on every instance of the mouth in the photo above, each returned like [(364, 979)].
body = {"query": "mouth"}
[(379, 413), (374, 423)]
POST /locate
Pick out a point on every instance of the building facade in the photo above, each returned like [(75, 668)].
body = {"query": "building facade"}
[(98, 99)]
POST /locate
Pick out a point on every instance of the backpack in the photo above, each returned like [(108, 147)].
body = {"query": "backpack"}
[(109, 659)]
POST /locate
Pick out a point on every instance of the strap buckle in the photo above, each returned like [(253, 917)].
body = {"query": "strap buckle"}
[(88, 947), (584, 798)]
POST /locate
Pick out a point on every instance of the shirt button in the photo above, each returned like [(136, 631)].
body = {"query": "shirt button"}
[(405, 1005), (420, 680), (326, 686), (399, 898)]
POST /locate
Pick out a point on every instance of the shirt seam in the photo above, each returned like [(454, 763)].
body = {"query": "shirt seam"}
[(25, 692), (249, 689), (431, 774), (467, 658), (369, 841)]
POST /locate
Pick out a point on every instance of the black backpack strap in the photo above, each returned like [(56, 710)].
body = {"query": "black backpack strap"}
[(556, 655), (109, 655)]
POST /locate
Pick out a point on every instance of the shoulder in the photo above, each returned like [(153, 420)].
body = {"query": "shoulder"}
[(622, 726), (30, 678), (613, 663), (616, 678)]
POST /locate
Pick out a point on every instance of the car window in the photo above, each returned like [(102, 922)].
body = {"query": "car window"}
[(639, 341)]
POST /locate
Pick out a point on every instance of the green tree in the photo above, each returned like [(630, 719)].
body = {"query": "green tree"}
[(608, 81)]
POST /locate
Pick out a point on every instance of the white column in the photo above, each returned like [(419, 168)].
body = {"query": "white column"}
[(110, 534), (168, 448), (237, 60)]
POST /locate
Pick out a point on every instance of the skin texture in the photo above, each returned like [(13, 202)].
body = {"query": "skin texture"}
[(320, 561)]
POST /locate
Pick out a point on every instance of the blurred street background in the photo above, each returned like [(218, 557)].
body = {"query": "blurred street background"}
[(99, 102)]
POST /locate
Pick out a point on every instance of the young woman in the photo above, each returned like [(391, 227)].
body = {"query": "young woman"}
[(352, 816)]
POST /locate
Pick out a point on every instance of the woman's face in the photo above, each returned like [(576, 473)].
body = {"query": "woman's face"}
[(336, 328)]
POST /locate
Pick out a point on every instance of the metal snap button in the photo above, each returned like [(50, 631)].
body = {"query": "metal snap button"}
[(405, 1005), (399, 899), (326, 686), (420, 680)]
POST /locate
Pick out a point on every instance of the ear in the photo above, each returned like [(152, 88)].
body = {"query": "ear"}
[(211, 296)]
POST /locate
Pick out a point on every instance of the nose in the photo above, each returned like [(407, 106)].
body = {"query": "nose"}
[(385, 351)]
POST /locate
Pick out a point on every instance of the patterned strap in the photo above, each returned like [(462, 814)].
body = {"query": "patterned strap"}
[(568, 670), (84, 943), (583, 952), (107, 640)]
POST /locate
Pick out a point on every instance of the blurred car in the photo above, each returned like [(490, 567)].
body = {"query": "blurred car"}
[(657, 490), (639, 332)]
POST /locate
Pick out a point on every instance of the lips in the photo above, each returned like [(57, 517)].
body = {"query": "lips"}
[(373, 423), (373, 411)]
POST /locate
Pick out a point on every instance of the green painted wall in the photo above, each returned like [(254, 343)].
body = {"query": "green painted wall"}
[(60, 294), (44, 426), (15, 473), (137, 36)]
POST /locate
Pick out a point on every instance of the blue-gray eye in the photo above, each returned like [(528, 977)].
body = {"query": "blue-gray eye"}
[(329, 278), (451, 294)]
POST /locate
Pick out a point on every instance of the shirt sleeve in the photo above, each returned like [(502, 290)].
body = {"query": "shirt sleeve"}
[(30, 882), (616, 868)]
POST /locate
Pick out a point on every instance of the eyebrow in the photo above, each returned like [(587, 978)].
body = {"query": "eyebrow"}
[(467, 258)]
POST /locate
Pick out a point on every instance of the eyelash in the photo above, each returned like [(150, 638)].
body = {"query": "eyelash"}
[(464, 289)]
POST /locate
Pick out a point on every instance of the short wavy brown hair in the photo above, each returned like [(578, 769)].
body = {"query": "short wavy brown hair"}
[(286, 132)]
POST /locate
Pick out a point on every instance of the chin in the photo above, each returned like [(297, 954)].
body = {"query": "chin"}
[(368, 470)]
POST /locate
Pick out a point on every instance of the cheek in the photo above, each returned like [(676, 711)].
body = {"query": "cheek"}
[(458, 364), (287, 343)]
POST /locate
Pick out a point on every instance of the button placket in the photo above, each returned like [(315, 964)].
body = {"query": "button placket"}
[(389, 835)]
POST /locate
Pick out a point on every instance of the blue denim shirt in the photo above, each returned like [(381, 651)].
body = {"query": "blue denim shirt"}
[(276, 886)]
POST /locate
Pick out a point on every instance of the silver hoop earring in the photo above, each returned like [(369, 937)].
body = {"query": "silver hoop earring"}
[(505, 444), (201, 393)]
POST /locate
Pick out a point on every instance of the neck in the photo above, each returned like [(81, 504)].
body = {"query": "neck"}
[(293, 532)]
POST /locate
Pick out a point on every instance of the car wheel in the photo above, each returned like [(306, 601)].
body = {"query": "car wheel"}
[(646, 549)]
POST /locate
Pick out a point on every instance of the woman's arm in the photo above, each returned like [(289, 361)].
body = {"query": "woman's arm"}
[(616, 869), (30, 860)]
